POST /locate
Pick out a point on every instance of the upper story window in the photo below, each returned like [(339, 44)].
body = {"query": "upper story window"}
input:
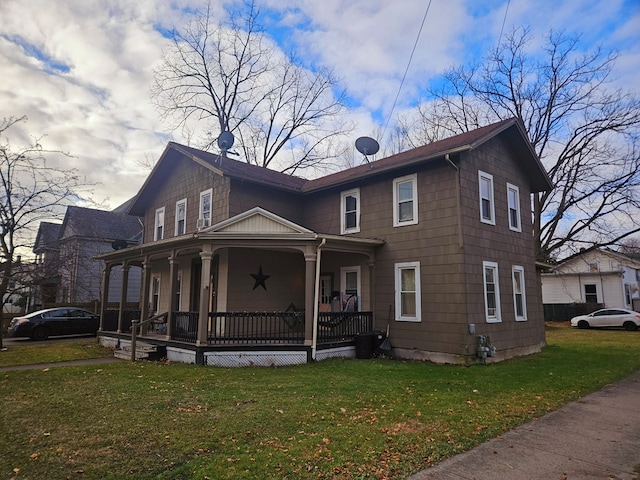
[(158, 232), (204, 217), (350, 208), (181, 216), (491, 292), (487, 207), (407, 287), (513, 202), (405, 201), (519, 296)]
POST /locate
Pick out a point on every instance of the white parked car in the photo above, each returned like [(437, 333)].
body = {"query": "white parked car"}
[(608, 317)]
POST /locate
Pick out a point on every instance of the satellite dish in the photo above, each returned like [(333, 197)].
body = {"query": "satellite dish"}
[(367, 146), (225, 141)]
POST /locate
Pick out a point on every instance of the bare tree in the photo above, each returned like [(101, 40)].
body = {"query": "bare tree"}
[(31, 190), (229, 77), (584, 131)]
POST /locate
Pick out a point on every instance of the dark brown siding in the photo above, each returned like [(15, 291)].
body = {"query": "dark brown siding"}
[(187, 180), (497, 243), (244, 196)]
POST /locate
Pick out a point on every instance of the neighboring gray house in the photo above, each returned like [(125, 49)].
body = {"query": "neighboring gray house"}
[(68, 271), (598, 276)]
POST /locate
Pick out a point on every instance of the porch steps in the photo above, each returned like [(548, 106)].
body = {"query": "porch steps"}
[(144, 351)]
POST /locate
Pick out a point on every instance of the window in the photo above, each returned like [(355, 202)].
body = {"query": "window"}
[(181, 216), (594, 267), (405, 201), (350, 286), (487, 212), (178, 289), (155, 294), (519, 297), (204, 217), (513, 201), (590, 293), (350, 208), (491, 292), (407, 287), (159, 230), (627, 294)]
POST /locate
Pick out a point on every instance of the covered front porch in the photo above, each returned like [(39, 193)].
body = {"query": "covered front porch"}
[(254, 290)]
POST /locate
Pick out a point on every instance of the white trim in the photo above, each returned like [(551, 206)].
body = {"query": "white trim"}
[(523, 293), (516, 207), (398, 268), (184, 223), (483, 176), (355, 193), (343, 281), (155, 308), (413, 178), (495, 316), (159, 223)]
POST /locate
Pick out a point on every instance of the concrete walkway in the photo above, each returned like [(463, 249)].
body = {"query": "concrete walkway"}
[(596, 437)]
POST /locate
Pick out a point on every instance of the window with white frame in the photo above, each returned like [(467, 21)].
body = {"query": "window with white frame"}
[(181, 217), (407, 288), (204, 217), (487, 207), (519, 295), (158, 232), (590, 293), (513, 202), (155, 293), (491, 292), (405, 201), (350, 208), (627, 294), (350, 287)]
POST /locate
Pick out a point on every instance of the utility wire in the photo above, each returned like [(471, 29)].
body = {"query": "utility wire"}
[(506, 10), (406, 70)]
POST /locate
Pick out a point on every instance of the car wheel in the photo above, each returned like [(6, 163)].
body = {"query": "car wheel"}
[(583, 324), (630, 326), (40, 333)]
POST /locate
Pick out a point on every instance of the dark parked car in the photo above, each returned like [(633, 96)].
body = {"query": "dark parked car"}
[(54, 321)]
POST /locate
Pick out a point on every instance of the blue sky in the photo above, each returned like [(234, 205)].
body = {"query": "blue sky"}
[(81, 70)]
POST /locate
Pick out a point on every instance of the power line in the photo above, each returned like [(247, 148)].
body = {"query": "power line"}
[(506, 10), (406, 70)]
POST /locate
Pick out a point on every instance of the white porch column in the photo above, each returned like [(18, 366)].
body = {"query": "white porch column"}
[(123, 294), (144, 307), (309, 296), (203, 318), (105, 293), (173, 276)]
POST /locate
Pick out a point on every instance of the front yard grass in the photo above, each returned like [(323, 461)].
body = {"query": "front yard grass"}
[(347, 419), (33, 353)]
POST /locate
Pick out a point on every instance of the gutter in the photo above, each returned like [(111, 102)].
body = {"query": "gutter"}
[(458, 209)]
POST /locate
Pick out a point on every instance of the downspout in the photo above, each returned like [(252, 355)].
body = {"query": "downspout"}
[(458, 209), (316, 303)]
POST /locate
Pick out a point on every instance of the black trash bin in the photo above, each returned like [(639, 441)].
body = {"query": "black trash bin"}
[(366, 344)]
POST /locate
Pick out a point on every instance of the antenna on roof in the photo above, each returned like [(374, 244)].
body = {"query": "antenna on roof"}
[(367, 146), (225, 142)]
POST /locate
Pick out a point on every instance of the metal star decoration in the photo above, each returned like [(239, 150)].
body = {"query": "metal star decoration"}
[(260, 279)]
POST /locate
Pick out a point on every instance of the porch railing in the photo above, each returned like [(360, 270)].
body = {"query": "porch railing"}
[(269, 328), (256, 328)]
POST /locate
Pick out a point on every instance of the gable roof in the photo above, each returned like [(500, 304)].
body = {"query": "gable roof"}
[(512, 130), (98, 224), (258, 221), (629, 260), (47, 236)]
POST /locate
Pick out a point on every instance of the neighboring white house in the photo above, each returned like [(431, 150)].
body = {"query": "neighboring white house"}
[(594, 276)]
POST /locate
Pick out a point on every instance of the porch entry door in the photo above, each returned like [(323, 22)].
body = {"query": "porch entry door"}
[(326, 288), (196, 284)]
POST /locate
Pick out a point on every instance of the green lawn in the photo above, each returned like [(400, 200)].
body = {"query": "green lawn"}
[(31, 353), (350, 419)]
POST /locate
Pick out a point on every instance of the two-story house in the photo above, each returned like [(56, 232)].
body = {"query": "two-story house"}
[(598, 276), (256, 267)]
